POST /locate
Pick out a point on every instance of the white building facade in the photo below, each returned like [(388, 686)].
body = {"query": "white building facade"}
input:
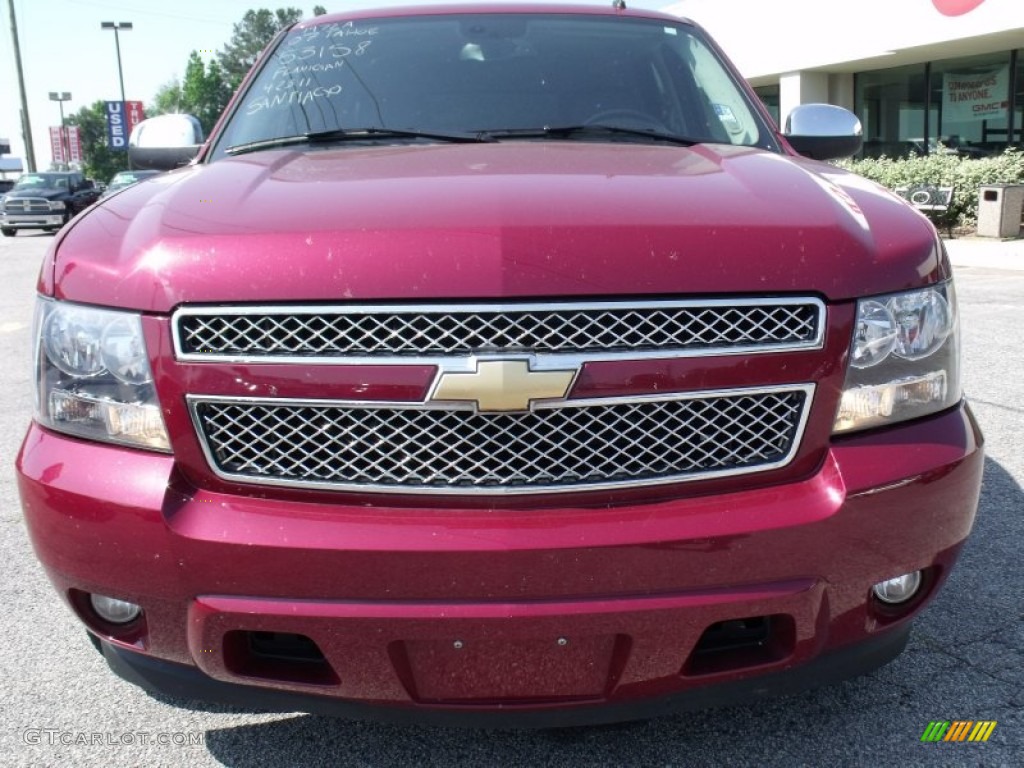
[(916, 72)]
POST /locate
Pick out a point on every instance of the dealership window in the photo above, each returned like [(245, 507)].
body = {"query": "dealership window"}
[(1018, 102), (769, 95), (891, 106), (970, 102), (964, 108)]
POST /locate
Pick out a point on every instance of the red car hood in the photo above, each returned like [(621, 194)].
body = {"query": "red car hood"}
[(515, 219)]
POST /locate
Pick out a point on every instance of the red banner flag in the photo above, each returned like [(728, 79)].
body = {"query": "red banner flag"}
[(56, 145), (134, 114)]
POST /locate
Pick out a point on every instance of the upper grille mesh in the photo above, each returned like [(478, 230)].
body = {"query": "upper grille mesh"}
[(448, 450), (439, 331), (26, 205)]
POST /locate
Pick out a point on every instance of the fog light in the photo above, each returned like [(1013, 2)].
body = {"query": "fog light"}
[(113, 610), (899, 589)]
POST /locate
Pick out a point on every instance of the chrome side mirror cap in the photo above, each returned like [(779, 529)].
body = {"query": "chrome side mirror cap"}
[(824, 131), (165, 142)]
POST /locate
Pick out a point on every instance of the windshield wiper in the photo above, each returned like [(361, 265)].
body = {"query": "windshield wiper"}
[(587, 131), (356, 134)]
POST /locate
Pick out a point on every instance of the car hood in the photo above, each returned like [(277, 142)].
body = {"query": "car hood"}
[(505, 220), (45, 194)]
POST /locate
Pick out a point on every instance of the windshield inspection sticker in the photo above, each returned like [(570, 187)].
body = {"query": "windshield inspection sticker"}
[(728, 119)]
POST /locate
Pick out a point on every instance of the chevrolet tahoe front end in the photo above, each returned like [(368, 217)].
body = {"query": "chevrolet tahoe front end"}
[(462, 411)]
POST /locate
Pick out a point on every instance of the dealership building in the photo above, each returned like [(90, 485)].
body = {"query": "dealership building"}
[(916, 72)]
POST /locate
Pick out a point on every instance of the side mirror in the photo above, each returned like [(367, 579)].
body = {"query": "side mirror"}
[(824, 131), (165, 142)]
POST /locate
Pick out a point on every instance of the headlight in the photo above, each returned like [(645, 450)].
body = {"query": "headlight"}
[(93, 376), (904, 360), (57, 206)]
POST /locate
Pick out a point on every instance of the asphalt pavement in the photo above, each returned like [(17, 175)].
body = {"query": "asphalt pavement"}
[(986, 253), (61, 706)]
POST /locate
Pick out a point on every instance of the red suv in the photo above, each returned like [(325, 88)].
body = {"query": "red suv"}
[(499, 366)]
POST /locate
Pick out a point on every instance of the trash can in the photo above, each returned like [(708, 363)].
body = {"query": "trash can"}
[(999, 210)]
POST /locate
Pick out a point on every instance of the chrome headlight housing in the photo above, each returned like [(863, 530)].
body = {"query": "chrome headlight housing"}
[(904, 359), (57, 205), (93, 376)]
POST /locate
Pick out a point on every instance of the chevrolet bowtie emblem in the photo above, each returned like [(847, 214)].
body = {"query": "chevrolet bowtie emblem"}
[(503, 385)]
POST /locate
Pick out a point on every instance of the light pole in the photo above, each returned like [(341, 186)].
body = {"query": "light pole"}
[(117, 44), (26, 125), (65, 143), (120, 73)]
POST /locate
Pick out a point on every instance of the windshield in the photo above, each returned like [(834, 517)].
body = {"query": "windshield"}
[(42, 181), (127, 178), (488, 74)]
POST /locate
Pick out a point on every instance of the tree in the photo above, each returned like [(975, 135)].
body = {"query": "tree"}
[(98, 161), (204, 91), (218, 94), (167, 99), (250, 36)]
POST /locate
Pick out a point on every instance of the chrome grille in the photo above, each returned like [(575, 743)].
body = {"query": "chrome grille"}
[(26, 205), (632, 328), (559, 447)]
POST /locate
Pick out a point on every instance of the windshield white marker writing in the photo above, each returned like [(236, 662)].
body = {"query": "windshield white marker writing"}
[(348, 29), (299, 97), (299, 77), (335, 51), (330, 31), (301, 69)]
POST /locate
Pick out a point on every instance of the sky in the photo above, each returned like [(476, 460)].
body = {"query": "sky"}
[(63, 49)]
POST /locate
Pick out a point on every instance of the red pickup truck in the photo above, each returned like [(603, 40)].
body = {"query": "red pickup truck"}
[(499, 365)]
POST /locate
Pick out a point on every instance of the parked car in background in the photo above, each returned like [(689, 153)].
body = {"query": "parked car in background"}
[(126, 179), (45, 201), (948, 145), (5, 187), (500, 367), (918, 147)]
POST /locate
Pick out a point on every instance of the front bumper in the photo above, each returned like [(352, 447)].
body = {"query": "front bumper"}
[(184, 681), (28, 221), (499, 616)]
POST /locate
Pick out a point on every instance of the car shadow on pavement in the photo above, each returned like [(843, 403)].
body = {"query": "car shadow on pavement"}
[(964, 660)]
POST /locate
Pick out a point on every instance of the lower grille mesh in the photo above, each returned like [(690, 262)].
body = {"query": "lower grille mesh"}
[(445, 450)]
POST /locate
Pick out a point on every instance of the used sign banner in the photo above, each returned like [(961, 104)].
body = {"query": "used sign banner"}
[(117, 127)]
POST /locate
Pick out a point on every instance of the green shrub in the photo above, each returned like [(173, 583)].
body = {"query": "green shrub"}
[(963, 174)]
